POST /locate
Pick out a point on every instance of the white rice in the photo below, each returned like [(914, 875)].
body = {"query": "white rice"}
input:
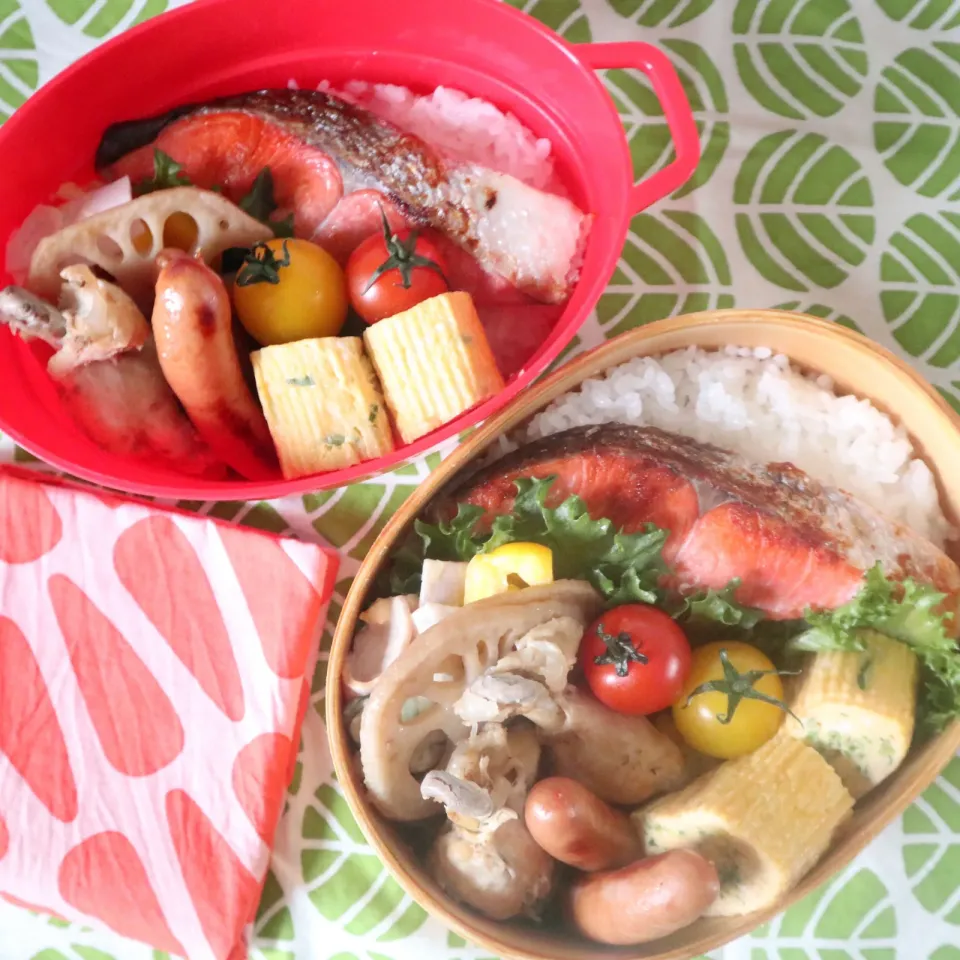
[(761, 406), (464, 128)]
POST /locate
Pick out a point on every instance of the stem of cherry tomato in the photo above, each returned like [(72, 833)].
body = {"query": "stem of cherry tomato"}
[(390, 273), (402, 256), (620, 652), (739, 686), (732, 702)]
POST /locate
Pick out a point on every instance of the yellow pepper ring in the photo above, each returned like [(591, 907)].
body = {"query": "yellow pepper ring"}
[(510, 567)]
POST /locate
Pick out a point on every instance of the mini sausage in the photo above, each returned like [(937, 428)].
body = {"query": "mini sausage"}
[(576, 827), (193, 328), (647, 900)]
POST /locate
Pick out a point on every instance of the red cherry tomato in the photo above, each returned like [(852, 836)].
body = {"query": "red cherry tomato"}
[(392, 272), (635, 659)]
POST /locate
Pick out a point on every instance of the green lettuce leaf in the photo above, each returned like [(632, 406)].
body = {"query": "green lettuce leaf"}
[(260, 203), (167, 173), (403, 575), (939, 703), (620, 586), (447, 540), (906, 611), (719, 607), (452, 540), (581, 545), (624, 567)]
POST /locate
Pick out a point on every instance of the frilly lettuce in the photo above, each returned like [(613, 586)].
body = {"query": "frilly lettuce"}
[(629, 568), (624, 567)]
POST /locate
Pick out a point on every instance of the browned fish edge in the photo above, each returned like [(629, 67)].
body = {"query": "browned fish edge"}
[(780, 489), (775, 485), (409, 169)]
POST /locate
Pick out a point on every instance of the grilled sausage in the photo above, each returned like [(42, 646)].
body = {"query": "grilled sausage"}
[(193, 328), (647, 900), (576, 827)]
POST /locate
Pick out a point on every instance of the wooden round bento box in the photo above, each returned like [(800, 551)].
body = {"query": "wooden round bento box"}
[(857, 366)]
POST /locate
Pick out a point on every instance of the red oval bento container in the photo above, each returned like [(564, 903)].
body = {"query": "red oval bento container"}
[(215, 47)]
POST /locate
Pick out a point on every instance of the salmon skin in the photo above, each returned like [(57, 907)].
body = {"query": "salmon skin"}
[(793, 542), (532, 238)]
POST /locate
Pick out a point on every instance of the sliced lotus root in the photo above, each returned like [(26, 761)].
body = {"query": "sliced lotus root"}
[(124, 241), (438, 667)]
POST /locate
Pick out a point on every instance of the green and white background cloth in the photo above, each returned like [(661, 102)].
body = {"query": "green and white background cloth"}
[(830, 183)]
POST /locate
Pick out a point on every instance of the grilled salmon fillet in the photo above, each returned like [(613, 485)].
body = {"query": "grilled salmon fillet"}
[(320, 148), (793, 542)]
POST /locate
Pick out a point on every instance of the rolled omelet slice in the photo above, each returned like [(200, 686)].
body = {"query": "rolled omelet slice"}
[(857, 709), (323, 404), (763, 819), (434, 362)]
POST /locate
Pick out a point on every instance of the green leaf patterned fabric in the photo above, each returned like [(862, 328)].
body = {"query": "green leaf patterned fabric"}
[(19, 71), (799, 58), (829, 184), (100, 18)]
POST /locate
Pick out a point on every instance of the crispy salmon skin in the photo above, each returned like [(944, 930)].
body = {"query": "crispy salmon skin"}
[(320, 148), (793, 542)]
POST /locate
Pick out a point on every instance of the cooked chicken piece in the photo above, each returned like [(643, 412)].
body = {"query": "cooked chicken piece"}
[(439, 666), (388, 630), (496, 697), (484, 856), (503, 760), (102, 321), (108, 374), (502, 875), (622, 759), (489, 774), (96, 320), (466, 803), (547, 653), (527, 681)]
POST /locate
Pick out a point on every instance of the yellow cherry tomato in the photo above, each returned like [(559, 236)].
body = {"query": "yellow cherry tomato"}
[(509, 567), (290, 290), (729, 720)]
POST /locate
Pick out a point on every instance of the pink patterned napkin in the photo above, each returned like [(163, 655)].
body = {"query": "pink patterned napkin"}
[(154, 669)]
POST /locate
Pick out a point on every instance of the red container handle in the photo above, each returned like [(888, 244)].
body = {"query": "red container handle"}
[(676, 109)]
